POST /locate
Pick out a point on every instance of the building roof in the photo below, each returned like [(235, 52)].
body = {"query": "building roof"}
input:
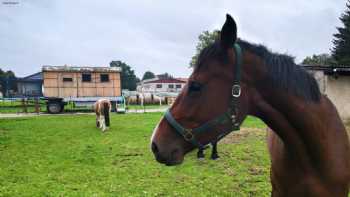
[(330, 70), (170, 80), (152, 79), (182, 79), (36, 77), (66, 68)]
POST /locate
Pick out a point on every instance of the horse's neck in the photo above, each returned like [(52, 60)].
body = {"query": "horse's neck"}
[(303, 126), (288, 115)]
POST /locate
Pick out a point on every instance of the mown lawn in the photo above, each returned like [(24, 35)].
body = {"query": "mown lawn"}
[(68, 156)]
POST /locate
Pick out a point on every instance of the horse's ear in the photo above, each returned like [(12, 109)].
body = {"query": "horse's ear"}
[(228, 35)]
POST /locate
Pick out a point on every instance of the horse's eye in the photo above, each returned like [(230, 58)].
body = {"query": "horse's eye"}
[(195, 86)]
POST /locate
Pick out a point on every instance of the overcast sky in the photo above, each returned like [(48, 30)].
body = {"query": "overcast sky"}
[(159, 36)]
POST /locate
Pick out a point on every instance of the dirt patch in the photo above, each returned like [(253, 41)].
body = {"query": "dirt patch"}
[(256, 170), (243, 133)]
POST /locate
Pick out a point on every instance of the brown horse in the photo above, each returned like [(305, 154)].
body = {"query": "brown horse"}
[(102, 109), (309, 146)]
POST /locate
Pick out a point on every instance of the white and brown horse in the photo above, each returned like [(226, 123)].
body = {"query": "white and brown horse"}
[(102, 109)]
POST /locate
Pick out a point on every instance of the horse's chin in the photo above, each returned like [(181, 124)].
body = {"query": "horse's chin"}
[(174, 163), (174, 160)]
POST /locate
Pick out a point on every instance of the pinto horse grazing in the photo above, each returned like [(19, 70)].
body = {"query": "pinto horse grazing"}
[(102, 109), (308, 144)]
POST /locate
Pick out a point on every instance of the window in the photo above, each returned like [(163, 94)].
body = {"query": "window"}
[(178, 86), (170, 86), (67, 79), (86, 77), (159, 85), (104, 77)]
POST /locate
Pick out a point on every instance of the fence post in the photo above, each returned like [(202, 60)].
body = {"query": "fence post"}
[(24, 105), (37, 106)]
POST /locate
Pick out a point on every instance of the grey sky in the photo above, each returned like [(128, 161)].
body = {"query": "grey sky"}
[(153, 35)]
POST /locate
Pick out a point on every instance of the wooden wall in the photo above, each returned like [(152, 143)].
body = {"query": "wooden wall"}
[(54, 86)]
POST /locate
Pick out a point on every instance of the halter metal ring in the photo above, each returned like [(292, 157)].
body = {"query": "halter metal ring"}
[(188, 135), (236, 91)]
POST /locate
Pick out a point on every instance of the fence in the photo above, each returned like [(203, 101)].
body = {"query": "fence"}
[(38, 105), (22, 105)]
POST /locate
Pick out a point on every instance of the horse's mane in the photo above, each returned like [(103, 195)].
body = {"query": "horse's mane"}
[(283, 72)]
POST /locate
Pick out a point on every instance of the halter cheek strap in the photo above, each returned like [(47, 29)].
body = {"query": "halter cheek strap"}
[(229, 116), (190, 134)]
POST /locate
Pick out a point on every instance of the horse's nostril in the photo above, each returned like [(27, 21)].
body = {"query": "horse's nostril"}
[(154, 148), (174, 153)]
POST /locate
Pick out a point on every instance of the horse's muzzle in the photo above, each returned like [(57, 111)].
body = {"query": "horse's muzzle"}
[(169, 158)]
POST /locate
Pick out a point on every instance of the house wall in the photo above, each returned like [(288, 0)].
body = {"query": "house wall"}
[(152, 87), (54, 86), (29, 88), (338, 90), (321, 79)]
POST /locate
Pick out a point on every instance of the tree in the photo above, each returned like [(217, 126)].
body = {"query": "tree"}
[(341, 41), (165, 76), (320, 60), (148, 75), (205, 38), (8, 81), (128, 77)]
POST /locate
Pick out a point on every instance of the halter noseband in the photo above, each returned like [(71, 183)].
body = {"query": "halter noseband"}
[(229, 116)]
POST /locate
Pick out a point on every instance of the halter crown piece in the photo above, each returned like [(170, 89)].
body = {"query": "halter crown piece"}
[(230, 115)]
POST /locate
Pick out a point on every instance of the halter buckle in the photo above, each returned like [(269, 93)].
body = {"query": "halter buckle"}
[(188, 135), (236, 90)]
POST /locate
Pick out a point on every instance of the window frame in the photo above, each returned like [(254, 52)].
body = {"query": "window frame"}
[(86, 74), (67, 79), (104, 80)]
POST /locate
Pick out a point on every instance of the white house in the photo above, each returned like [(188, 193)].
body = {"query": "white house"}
[(334, 83), (157, 85)]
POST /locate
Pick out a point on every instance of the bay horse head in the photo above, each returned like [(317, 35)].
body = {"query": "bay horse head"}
[(206, 108), (232, 79), (308, 144)]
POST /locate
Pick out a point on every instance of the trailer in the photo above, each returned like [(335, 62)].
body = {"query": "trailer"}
[(82, 86)]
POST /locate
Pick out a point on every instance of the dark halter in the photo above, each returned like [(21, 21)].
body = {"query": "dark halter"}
[(229, 116)]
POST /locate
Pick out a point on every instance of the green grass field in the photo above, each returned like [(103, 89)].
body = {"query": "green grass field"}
[(67, 156)]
